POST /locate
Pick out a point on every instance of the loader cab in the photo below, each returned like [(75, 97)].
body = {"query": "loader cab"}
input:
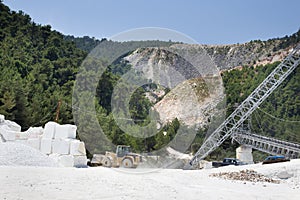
[(122, 150)]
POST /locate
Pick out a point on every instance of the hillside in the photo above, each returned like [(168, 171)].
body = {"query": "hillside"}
[(252, 53), (255, 52), (37, 69)]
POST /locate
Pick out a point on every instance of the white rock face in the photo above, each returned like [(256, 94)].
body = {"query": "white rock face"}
[(191, 102), (196, 88)]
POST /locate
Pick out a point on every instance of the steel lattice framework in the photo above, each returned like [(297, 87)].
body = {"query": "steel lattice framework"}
[(246, 108), (268, 145)]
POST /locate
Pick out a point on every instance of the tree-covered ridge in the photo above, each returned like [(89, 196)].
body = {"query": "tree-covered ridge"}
[(87, 43), (38, 68)]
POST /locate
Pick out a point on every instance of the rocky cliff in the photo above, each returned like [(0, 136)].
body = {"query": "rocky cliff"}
[(196, 93)]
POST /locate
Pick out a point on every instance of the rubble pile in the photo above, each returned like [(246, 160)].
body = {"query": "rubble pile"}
[(244, 175)]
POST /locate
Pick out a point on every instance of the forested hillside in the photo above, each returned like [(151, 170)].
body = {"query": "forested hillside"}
[(37, 69)]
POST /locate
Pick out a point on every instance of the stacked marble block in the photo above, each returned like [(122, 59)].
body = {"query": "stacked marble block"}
[(60, 143), (57, 141)]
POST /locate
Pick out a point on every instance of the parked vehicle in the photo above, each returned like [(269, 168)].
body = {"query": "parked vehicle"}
[(275, 159), (228, 161)]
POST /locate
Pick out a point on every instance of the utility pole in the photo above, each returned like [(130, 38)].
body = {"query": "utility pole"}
[(57, 110)]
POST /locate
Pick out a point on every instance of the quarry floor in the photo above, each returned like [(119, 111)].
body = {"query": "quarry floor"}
[(53, 183)]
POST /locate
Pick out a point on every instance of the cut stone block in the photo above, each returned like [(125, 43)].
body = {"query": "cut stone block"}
[(46, 145), (21, 136), (66, 160), (7, 133), (77, 148), (54, 156), (61, 146), (34, 143), (2, 118), (80, 161), (34, 132), (49, 130), (65, 131), (13, 125)]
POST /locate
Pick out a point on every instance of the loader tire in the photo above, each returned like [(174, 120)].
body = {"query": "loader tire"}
[(106, 162), (127, 163)]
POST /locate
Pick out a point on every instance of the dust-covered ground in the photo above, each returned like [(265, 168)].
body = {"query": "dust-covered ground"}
[(27, 182)]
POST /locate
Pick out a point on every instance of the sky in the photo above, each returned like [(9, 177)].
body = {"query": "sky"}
[(205, 21)]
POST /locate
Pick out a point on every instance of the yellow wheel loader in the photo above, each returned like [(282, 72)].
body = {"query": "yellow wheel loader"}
[(122, 158)]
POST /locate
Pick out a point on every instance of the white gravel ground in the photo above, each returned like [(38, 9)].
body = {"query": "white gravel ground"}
[(103, 183)]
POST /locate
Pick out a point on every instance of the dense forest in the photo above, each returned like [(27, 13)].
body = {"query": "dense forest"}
[(38, 68)]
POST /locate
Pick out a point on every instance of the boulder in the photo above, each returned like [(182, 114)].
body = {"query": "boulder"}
[(284, 175)]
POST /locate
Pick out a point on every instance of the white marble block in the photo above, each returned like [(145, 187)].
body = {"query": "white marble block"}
[(34, 132), (46, 145), (80, 161), (34, 143), (61, 146), (66, 160), (49, 130), (65, 131), (13, 125), (77, 148), (2, 118), (7, 133)]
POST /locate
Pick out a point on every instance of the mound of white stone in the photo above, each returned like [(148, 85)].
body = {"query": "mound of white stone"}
[(54, 140), (14, 154)]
